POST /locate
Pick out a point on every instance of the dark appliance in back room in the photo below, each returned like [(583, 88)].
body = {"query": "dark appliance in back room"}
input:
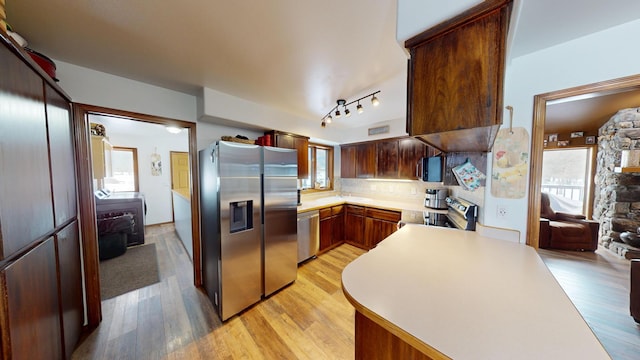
[(110, 204), (248, 207)]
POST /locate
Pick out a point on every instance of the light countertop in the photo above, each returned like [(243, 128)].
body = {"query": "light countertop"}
[(468, 297), (308, 205)]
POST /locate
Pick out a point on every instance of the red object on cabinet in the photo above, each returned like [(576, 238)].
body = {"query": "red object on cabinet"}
[(45, 63)]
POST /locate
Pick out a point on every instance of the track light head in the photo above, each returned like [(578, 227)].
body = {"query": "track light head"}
[(347, 113), (329, 119), (338, 114), (375, 101), (323, 123), (359, 108)]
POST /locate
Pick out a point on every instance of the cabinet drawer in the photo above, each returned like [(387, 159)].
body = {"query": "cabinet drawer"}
[(325, 213), (355, 210), (388, 215), (337, 210)]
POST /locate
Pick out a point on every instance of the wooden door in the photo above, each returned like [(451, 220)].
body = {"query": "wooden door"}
[(410, 151), (387, 159), (63, 169), (354, 225), (180, 172), (348, 161), (31, 313), (68, 243), (26, 209), (366, 160), (337, 233)]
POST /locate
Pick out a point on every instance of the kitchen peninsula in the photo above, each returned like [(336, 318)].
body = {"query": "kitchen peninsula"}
[(439, 293)]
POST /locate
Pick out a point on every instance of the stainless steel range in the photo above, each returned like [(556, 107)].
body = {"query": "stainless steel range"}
[(459, 214)]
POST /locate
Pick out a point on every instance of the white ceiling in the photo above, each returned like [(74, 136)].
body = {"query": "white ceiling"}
[(297, 56)]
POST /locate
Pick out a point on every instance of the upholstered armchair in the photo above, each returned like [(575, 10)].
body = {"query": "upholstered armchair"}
[(564, 231)]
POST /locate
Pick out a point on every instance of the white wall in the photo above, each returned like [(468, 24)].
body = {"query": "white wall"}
[(605, 55), (412, 19), (97, 88), (208, 133)]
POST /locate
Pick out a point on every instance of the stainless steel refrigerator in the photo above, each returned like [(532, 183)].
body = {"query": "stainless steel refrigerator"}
[(248, 202)]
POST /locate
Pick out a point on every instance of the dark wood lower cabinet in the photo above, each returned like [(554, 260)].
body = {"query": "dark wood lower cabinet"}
[(331, 227), (72, 310), (31, 329), (356, 225), (378, 225)]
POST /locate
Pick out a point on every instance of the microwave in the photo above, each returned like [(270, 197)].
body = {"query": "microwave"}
[(430, 169)]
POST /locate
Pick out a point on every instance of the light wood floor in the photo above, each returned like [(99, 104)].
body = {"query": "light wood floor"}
[(309, 319), (598, 284)]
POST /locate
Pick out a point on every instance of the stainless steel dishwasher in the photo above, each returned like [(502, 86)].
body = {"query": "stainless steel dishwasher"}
[(308, 234)]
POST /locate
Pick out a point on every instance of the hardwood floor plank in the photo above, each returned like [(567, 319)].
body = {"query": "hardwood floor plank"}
[(598, 284), (152, 329)]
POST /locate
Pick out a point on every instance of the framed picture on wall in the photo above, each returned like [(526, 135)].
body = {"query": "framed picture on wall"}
[(577, 134), (590, 140), (553, 137), (563, 143)]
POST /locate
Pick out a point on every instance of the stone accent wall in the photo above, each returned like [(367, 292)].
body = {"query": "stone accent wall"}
[(617, 195)]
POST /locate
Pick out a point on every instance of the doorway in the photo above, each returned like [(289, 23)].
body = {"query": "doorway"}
[(625, 84), (87, 204)]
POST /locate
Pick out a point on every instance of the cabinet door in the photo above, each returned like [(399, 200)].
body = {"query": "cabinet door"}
[(379, 224), (366, 160), (348, 161), (326, 233), (31, 305), (70, 285), (338, 225), (26, 209), (97, 157), (410, 152), (302, 146), (387, 159), (354, 225), (455, 79), (63, 170)]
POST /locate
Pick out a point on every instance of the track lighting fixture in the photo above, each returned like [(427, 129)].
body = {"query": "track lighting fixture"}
[(343, 103), (375, 101)]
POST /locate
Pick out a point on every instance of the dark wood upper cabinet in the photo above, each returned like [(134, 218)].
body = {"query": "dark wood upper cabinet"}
[(348, 162), (26, 210), (394, 158), (455, 79), (366, 160), (297, 142), (63, 173), (387, 159), (410, 151)]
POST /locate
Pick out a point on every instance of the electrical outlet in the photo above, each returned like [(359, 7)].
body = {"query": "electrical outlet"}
[(413, 191), (501, 211)]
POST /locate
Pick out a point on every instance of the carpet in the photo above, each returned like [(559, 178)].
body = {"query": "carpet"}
[(136, 268)]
